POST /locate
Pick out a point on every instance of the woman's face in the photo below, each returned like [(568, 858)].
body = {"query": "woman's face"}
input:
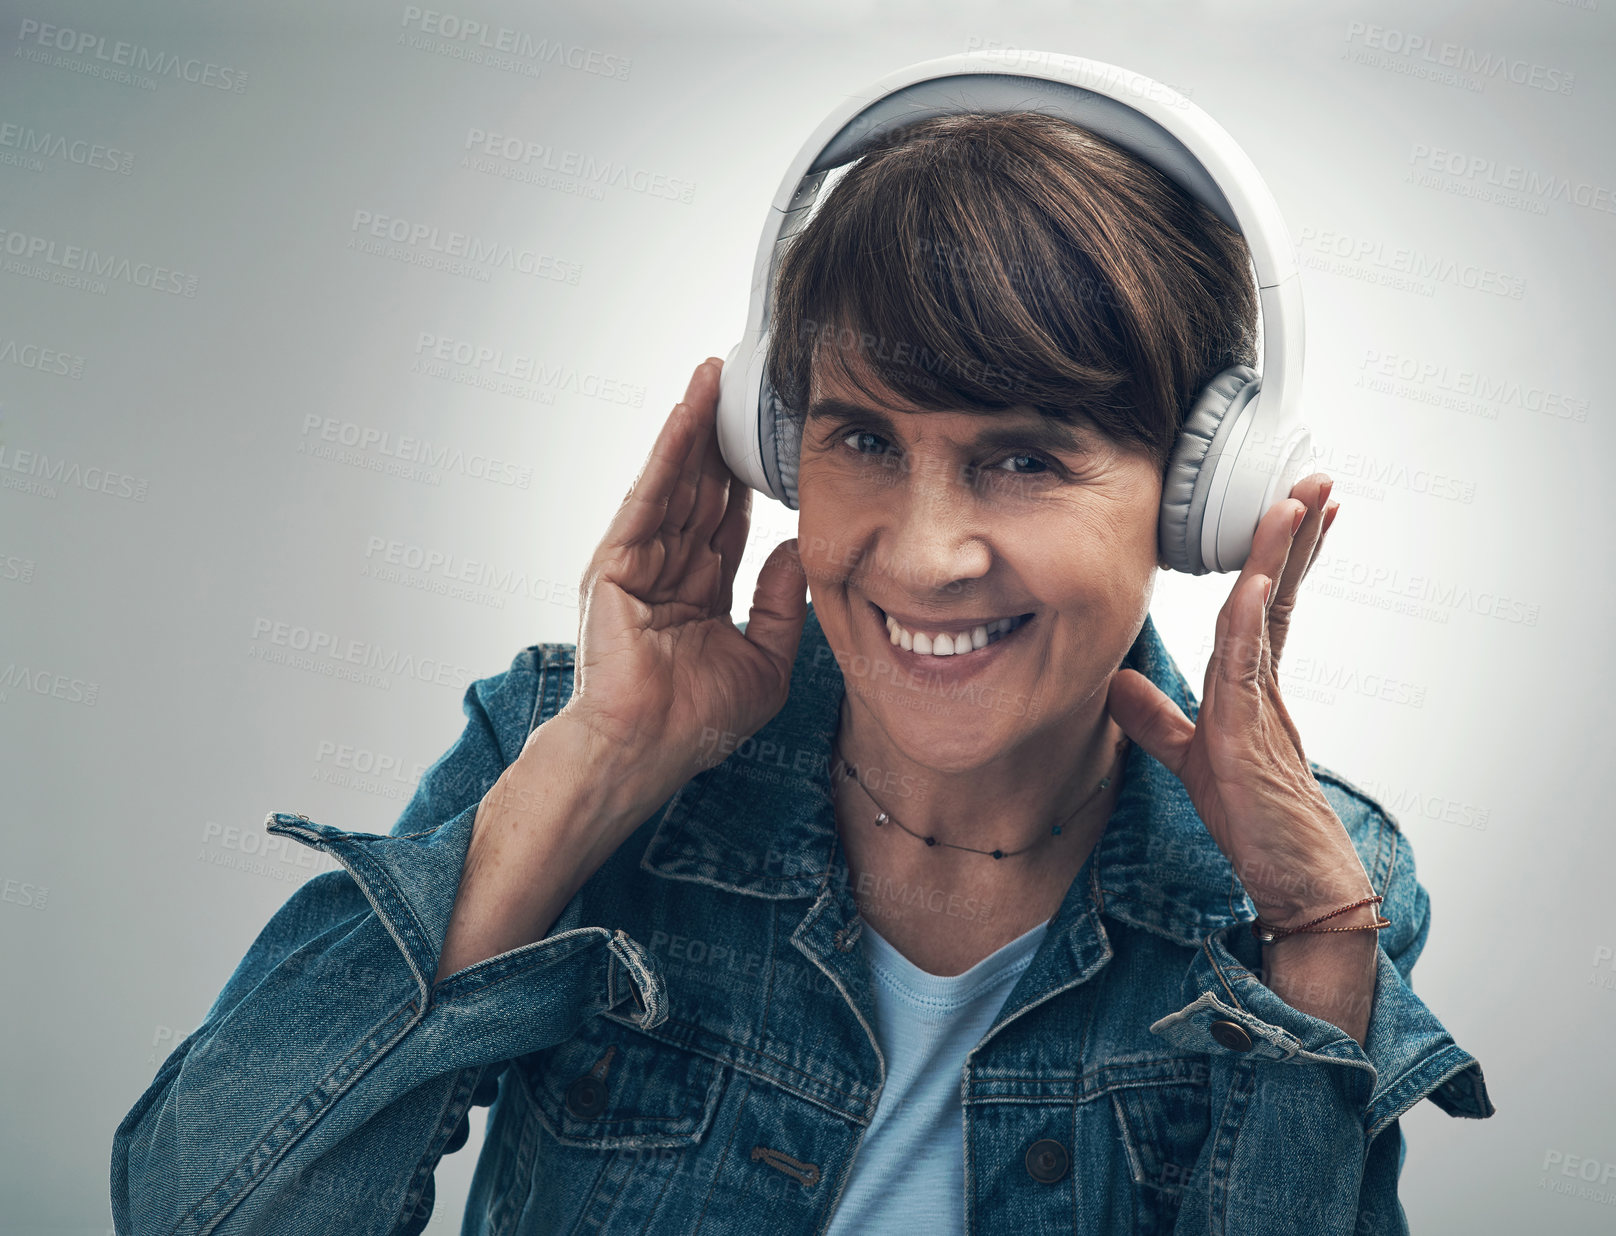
[(948, 521)]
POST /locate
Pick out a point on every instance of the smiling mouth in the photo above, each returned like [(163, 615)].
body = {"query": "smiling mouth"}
[(951, 644)]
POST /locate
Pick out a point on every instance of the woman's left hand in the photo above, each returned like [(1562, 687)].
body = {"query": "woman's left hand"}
[(1241, 760)]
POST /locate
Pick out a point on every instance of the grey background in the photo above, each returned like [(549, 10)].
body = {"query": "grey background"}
[(129, 885)]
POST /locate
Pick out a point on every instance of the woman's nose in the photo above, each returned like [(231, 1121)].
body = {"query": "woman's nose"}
[(934, 537)]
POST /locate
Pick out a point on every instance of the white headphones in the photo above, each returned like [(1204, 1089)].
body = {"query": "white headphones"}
[(1238, 454)]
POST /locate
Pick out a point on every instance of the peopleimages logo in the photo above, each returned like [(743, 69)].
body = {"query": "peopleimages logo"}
[(437, 244), (91, 262), (106, 58), (389, 559), (26, 142), (517, 156), (327, 653), (1487, 172), (19, 569), (26, 680), (370, 772), (472, 33), (1376, 261), (1433, 589), (36, 472), (1403, 803), (35, 356), (491, 365), (1398, 373), (1420, 52), (324, 437)]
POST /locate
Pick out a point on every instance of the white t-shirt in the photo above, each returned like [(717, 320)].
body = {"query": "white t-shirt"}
[(909, 1175)]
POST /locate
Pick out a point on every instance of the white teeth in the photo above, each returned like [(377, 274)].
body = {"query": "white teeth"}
[(944, 645)]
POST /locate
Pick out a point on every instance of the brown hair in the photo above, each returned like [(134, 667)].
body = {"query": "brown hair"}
[(977, 262)]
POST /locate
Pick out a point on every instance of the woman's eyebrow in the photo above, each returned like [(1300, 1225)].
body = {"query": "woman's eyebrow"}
[(1043, 432)]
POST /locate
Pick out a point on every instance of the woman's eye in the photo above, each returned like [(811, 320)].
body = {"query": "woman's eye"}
[(1042, 464), (873, 446), (863, 434)]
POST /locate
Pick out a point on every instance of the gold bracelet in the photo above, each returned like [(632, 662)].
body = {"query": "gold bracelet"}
[(1268, 933)]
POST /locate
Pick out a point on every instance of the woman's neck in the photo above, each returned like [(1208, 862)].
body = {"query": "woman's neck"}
[(1010, 803), (946, 909)]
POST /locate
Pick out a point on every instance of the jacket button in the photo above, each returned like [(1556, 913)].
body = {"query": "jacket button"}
[(586, 1097), (1047, 1161), (1231, 1034)]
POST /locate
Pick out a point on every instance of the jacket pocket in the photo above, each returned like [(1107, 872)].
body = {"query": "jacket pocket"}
[(600, 1133), (1163, 1116), (612, 1087)]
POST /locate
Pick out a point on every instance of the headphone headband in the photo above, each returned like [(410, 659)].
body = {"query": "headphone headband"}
[(1150, 120)]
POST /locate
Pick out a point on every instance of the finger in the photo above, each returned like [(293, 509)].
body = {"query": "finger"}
[(702, 400), (640, 515), (712, 500), (1209, 686), (686, 486), (779, 607), (1314, 491), (1209, 679), (1329, 518), (729, 541), (1242, 660), (1150, 718), (1220, 629), (1270, 548)]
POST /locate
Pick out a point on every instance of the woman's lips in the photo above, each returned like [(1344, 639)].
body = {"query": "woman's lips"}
[(963, 661)]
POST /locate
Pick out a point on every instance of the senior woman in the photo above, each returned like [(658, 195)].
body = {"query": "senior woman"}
[(927, 905)]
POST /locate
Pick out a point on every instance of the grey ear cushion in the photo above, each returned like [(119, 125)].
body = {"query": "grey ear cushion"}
[(1187, 483), (787, 444)]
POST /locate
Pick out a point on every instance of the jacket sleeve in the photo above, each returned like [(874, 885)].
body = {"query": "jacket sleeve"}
[(1304, 1135), (330, 1076)]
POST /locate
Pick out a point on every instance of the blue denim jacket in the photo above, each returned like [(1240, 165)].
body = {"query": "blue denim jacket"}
[(690, 1049)]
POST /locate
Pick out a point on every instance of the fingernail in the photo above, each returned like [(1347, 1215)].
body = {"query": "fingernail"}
[(1297, 521), (1324, 491)]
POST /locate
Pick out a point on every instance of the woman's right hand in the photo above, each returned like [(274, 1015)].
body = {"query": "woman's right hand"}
[(662, 674), (663, 685)]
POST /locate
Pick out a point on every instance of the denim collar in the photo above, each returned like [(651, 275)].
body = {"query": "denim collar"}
[(763, 822)]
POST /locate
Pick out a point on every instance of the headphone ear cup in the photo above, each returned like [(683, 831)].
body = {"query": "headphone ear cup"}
[(1187, 485), (786, 436), (747, 417)]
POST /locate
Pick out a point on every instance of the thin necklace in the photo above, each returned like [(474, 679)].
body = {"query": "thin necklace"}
[(883, 816)]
